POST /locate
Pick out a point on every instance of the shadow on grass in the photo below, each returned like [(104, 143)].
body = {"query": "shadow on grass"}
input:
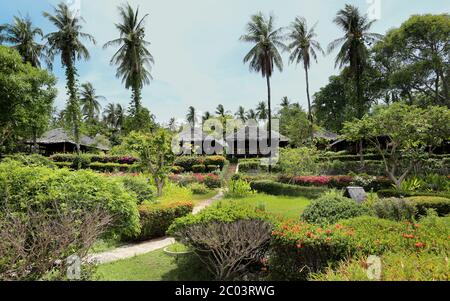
[(188, 268)]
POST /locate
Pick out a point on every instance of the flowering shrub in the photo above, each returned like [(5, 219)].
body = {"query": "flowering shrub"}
[(188, 162), (210, 180), (95, 158)]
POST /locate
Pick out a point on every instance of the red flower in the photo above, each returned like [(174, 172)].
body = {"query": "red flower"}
[(299, 246), (328, 239), (420, 245), (409, 236)]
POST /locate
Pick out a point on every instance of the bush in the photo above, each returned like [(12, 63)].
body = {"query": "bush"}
[(212, 181), (215, 161), (112, 167), (39, 187), (387, 193), (156, 219), (229, 239), (299, 161), (188, 162), (81, 162), (140, 186), (394, 209), (238, 189), (212, 168), (332, 207), (177, 169), (199, 168), (31, 160), (274, 188), (249, 166), (198, 189), (424, 203)]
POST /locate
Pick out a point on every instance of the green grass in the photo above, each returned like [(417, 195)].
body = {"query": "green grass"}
[(284, 206), (153, 266), (173, 193)]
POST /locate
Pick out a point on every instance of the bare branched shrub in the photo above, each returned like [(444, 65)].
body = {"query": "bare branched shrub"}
[(36, 244), (228, 249)]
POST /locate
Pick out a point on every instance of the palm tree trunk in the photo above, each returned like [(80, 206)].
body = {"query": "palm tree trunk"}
[(136, 99), (74, 107), (311, 121), (360, 108), (270, 120)]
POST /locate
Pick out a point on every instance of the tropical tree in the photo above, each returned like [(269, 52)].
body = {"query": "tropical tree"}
[(22, 36), (206, 116), (67, 41), (285, 102), (114, 116), (90, 102), (251, 115), (353, 50), (191, 117), (261, 110), (240, 114), (303, 47), (220, 111), (264, 57), (133, 59)]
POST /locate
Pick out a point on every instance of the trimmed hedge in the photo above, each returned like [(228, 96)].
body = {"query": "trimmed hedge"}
[(95, 158), (156, 219), (424, 203), (188, 163), (275, 188), (388, 193)]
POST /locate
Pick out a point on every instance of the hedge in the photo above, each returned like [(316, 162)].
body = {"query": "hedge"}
[(369, 183), (299, 249), (188, 162), (275, 188), (155, 220), (388, 193), (439, 204), (95, 158)]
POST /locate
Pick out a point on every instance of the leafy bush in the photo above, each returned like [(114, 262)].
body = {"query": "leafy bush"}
[(215, 161), (387, 193), (212, 181), (188, 162), (238, 189), (434, 182), (198, 188), (124, 159), (112, 167), (177, 169), (229, 239), (199, 168), (299, 161), (274, 188), (394, 209), (81, 162), (156, 219), (212, 168), (424, 203), (332, 207), (39, 187), (31, 160), (140, 186), (249, 166)]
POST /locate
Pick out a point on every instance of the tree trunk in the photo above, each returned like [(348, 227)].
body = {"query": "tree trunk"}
[(270, 121), (74, 106), (360, 111), (159, 186), (136, 100), (311, 121)]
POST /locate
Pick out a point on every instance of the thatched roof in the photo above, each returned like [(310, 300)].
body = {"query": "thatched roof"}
[(59, 135), (197, 135), (327, 135), (261, 134)]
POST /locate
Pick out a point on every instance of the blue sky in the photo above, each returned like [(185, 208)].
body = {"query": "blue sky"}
[(198, 55)]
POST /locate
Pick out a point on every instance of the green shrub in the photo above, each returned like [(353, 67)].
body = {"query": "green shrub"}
[(31, 160), (238, 189), (199, 168), (274, 188), (140, 186), (112, 167), (177, 169), (424, 203), (249, 166), (394, 209), (388, 193), (81, 161), (332, 207), (39, 187), (198, 188), (188, 162), (215, 161), (212, 181), (212, 168), (156, 219)]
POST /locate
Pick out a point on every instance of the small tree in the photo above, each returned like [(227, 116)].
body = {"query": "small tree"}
[(401, 133), (155, 152)]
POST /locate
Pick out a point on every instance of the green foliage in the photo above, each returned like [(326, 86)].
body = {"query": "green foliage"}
[(188, 163), (238, 189), (424, 203), (294, 124), (299, 161), (198, 188), (140, 186), (394, 209), (38, 187), (387, 193), (274, 188), (156, 219), (33, 160), (81, 161), (199, 168), (332, 207), (412, 184)]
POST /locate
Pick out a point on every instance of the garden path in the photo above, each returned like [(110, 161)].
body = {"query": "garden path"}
[(132, 250)]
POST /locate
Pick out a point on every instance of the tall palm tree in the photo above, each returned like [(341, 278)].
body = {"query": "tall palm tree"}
[(206, 116), (354, 44), (172, 125), (66, 41), (191, 117), (220, 111), (303, 47), (251, 115), (114, 116), (22, 36), (285, 102), (90, 102), (264, 57), (261, 110), (133, 59), (241, 114)]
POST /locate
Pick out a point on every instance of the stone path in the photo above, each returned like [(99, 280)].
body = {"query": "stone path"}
[(132, 250)]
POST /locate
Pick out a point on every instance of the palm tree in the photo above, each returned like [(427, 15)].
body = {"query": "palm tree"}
[(354, 44), (285, 102), (241, 114), (264, 56), (66, 41), (90, 102), (303, 47), (22, 35), (114, 116), (133, 60), (220, 111), (206, 116), (261, 111), (172, 125), (251, 115), (191, 117)]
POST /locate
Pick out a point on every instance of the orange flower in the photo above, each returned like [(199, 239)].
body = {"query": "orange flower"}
[(328, 238), (410, 236), (417, 225), (328, 231), (420, 245)]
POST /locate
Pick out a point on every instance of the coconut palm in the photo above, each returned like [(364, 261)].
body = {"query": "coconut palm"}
[(251, 115), (66, 42), (90, 102), (133, 59), (114, 116), (261, 111), (303, 47), (285, 102), (354, 44), (22, 37), (220, 111), (264, 56), (240, 114), (206, 116), (172, 125), (191, 117)]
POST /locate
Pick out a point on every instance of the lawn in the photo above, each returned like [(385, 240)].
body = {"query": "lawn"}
[(153, 266), (285, 206), (173, 193)]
